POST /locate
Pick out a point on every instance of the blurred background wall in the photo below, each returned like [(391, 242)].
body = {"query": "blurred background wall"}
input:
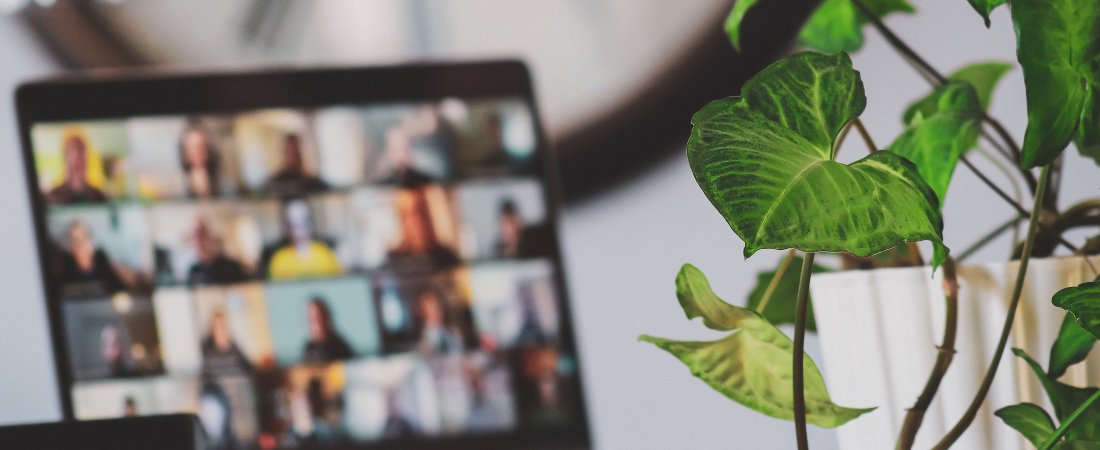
[(633, 213)]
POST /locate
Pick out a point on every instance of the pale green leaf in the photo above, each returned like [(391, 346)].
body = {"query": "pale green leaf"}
[(1083, 302), (752, 365), (984, 7), (837, 25), (948, 125), (1058, 46), (1072, 346), (984, 76), (1029, 419), (1066, 399), (781, 305), (733, 22), (765, 161)]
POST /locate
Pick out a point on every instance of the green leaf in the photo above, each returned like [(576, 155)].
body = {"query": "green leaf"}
[(733, 22), (1083, 302), (1058, 45), (984, 7), (1072, 346), (781, 306), (1088, 133), (837, 25), (1067, 399), (984, 77), (765, 161), (752, 365), (945, 125), (1030, 420)]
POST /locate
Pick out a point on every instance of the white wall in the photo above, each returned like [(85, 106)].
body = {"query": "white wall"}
[(27, 386)]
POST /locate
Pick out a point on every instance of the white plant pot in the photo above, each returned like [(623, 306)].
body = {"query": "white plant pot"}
[(879, 330)]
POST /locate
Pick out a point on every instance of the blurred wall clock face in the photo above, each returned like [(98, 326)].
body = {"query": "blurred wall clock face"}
[(587, 55)]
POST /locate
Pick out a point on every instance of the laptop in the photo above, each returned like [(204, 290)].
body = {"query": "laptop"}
[(330, 258)]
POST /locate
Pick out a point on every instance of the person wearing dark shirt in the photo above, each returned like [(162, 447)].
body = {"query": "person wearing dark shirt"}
[(211, 265), (325, 343), (85, 269), (419, 246), (111, 348), (292, 179), (75, 188), (220, 354), (399, 159), (515, 237), (199, 160)]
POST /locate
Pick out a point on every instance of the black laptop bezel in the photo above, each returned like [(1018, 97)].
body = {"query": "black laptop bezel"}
[(130, 94)]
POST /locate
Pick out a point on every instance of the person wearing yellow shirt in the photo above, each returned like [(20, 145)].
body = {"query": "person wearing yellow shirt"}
[(302, 256)]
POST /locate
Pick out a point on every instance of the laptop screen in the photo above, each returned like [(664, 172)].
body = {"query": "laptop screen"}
[(342, 274)]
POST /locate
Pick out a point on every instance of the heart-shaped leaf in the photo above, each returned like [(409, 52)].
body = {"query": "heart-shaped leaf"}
[(765, 161), (984, 8), (944, 126), (781, 304), (1058, 45), (1029, 419), (1066, 399), (752, 365), (1072, 346), (1083, 302), (984, 77), (834, 27)]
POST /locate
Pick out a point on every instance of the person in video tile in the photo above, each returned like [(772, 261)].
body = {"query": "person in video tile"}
[(397, 425), (299, 254), (111, 349), (322, 429), (216, 415), (211, 265), (325, 343), (419, 243), (438, 335), (515, 238), (199, 160), (75, 188), (220, 354), (85, 268), (292, 179), (129, 407), (399, 157)]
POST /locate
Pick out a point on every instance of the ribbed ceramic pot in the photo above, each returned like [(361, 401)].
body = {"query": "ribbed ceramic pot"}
[(879, 330)]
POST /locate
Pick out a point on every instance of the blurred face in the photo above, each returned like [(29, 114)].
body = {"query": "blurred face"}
[(76, 162), (298, 222), (81, 245), (292, 155), (318, 322), (431, 311), (109, 345), (205, 244), (415, 224), (510, 228), (195, 151), (219, 332)]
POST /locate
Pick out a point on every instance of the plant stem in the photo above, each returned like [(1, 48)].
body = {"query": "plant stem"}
[(1068, 423), (989, 237), (774, 283), (946, 352), (858, 124), (799, 354), (925, 69), (1019, 209), (991, 372)]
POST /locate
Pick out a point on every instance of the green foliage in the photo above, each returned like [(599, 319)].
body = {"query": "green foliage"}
[(781, 305), (942, 126), (1066, 399), (835, 26), (984, 77), (1072, 346), (1029, 419), (752, 365), (984, 7), (765, 161), (1083, 301), (1058, 45)]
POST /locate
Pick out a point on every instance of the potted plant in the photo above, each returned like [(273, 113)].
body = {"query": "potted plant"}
[(767, 160)]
